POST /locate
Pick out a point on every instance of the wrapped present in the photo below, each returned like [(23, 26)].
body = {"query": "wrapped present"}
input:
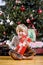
[(32, 34), (23, 44)]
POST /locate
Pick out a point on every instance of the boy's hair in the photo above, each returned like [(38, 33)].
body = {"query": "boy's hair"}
[(22, 27)]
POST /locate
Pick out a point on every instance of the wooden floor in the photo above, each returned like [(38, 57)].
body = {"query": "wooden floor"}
[(7, 60)]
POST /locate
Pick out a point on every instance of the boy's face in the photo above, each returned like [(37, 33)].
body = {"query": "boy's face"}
[(21, 33)]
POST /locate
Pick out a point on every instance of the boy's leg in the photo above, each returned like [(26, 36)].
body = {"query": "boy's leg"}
[(29, 52), (15, 55), (28, 58)]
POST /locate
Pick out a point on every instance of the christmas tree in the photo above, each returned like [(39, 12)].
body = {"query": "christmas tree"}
[(28, 12)]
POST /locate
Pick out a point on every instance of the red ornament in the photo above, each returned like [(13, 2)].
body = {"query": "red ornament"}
[(14, 7), (4, 33), (22, 8), (39, 11), (18, 22), (32, 19), (33, 26), (18, 1), (28, 20)]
